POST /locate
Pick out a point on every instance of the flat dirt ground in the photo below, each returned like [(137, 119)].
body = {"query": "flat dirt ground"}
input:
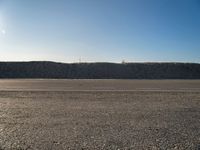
[(99, 114)]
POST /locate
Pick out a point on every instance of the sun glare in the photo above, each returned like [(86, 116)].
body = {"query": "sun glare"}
[(3, 31)]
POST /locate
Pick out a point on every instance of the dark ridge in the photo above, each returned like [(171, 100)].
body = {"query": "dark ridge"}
[(46, 69)]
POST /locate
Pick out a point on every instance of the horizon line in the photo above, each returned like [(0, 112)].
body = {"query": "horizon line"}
[(85, 62)]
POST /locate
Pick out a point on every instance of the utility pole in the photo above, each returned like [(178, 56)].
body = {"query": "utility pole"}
[(79, 60)]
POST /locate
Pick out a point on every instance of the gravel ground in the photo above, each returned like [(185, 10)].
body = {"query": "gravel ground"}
[(38, 118)]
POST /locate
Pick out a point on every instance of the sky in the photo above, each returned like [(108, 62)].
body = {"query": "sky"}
[(100, 30)]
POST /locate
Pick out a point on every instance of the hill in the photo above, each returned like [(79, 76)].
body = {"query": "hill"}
[(45, 69)]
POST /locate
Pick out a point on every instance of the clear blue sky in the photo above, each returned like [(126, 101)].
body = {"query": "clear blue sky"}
[(100, 30)]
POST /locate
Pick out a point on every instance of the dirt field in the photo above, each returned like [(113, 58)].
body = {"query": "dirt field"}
[(99, 114)]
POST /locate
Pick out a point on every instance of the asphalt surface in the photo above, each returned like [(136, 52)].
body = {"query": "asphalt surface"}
[(99, 114)]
